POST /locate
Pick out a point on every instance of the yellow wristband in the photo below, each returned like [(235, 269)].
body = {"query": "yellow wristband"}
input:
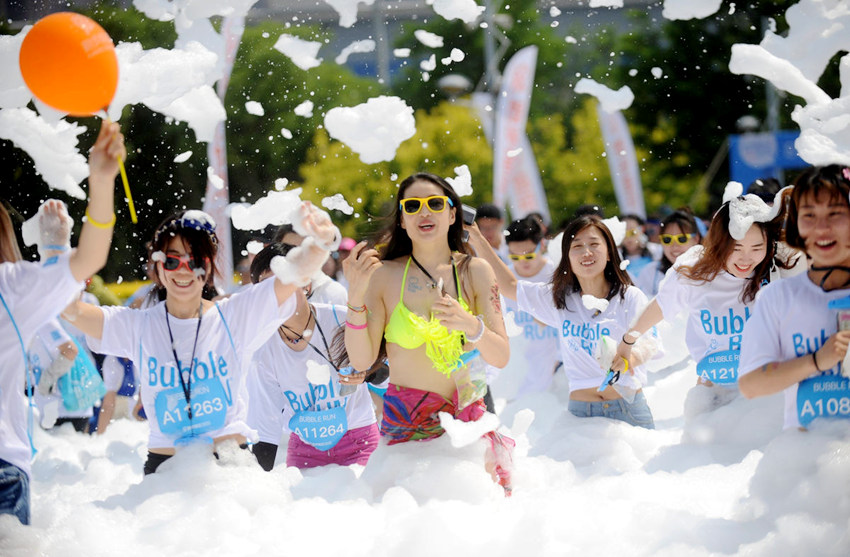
[(101, 225), (626, 362)]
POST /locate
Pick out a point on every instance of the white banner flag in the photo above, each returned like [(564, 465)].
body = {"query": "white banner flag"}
[(622, 161), (516, 178), (218, 192)]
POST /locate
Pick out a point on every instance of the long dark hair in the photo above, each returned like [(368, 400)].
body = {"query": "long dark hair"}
[(684, 218), (830, 180), (564, 280), (202, 242), (719, 245), (393, 242), (9, 250), (393, 239)]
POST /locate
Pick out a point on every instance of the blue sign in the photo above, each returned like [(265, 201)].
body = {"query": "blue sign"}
[(762, 155)]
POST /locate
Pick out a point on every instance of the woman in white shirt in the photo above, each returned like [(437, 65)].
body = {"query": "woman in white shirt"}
[(295, 387), (796, 341), (192, 353), (33, 293), (590, 267), (717, 284), (679, 233)]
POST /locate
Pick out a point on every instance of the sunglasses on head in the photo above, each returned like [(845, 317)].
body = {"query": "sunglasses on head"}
[(680, 239), (436, 204), (173, 263), (524, 256)]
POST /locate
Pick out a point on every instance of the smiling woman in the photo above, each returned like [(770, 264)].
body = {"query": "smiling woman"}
[(589, 270), (716, 284), (797, 340), (192, 352)]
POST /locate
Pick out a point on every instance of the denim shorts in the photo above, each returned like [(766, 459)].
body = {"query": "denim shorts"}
[(635, 413), (14, 492)]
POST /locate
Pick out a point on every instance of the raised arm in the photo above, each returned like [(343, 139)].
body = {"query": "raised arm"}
[(302, 262), (86, 317), (367, 316), (504, 277), (93, 247)]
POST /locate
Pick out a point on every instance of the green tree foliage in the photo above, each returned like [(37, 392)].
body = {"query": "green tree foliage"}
[(257, 152), (686, 100), (447, 136)]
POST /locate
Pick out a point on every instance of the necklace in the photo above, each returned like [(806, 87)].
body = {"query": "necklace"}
[(829, 270), (434, 284), (298, 336)]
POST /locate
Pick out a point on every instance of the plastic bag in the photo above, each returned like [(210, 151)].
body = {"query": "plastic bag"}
[(470, 376), (82, 386)]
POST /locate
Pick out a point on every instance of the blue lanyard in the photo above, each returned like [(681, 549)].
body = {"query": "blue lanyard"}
[(186, 386), (30, 387)]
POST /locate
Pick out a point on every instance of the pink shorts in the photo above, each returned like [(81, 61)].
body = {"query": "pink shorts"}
[(355, 447)]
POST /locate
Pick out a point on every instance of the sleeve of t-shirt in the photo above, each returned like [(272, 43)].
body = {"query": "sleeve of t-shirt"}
[(37, 292), (265, 404), (760, 340), (636, 302), (120, 332), (673, 293), (535, 298), (53, 334), (253, 315)]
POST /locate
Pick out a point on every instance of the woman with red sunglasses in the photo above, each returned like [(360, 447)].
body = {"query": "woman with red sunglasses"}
[(716, 284), (428, 303), (192, 353)]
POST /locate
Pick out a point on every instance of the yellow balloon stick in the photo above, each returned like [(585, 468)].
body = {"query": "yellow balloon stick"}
[(127, 190), (124, 180)]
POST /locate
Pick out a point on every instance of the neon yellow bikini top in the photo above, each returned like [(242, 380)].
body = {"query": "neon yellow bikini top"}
[(410, 330)]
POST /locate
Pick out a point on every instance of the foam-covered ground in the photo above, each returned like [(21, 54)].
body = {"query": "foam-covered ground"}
[(726, 483)]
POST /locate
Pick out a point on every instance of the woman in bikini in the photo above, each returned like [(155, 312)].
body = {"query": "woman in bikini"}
[(431, 302)]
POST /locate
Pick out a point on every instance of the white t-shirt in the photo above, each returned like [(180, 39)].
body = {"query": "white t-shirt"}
[(716, 316), (43, 349), (278, 386), (224, 348), (579, 332), (33, 292), (534, 352), (790, 319)]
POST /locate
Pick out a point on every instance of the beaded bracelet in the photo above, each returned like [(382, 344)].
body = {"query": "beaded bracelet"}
[(357, 309), (101, 225)]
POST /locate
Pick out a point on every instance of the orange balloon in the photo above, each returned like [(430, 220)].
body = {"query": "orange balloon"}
[(68, 62)]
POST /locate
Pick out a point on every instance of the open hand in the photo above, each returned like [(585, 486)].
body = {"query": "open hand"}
[(317, 224)]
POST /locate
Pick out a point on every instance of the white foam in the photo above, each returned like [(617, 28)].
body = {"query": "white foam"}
[(610, 100), (375, 129)]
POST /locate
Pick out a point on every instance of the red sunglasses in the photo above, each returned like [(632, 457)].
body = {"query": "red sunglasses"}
[(173, 263)]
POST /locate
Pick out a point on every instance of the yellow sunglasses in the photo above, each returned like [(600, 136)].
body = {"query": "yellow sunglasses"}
[(524, 256), (680, 239), (436, 204)]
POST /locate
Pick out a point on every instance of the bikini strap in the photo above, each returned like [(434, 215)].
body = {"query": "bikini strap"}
[(457, 281), (404, 281)]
